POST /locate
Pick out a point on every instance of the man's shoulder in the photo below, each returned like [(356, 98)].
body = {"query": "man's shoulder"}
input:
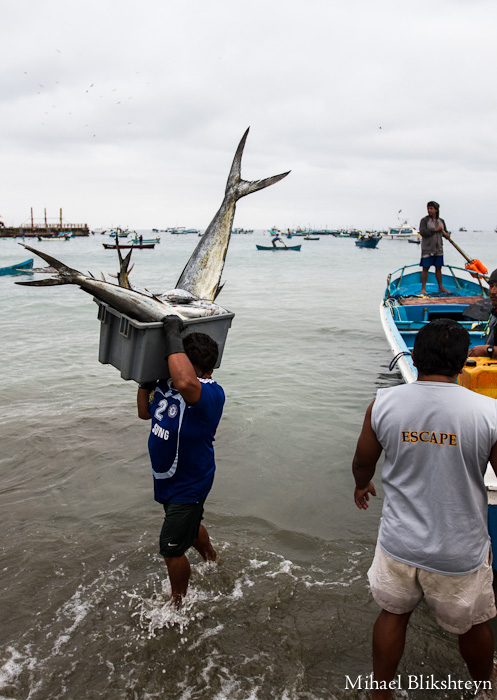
[(212, 388)]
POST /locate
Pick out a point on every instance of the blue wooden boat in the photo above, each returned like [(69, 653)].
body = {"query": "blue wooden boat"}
[(367, 241), (144, 241), (403, 310), (19, 269), (280, 247)]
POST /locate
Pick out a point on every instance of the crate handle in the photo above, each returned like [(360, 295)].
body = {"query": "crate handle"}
[(124, 326), (102, 313)]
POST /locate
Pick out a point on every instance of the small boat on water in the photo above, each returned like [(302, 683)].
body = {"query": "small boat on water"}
[(122, 246), (143, 241), (279, 247), (19, 269), (367, 241), (310, 238), (403, 310)]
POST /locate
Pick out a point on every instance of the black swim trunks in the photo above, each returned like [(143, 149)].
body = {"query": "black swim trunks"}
[(180, 527)]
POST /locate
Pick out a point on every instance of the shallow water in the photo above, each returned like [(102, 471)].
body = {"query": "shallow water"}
[(287, 612)]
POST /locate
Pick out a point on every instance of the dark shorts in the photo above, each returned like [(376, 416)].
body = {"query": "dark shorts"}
[(180, 527), (436, 260)]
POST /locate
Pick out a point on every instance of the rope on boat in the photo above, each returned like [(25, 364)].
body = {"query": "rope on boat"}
[(397, 358)]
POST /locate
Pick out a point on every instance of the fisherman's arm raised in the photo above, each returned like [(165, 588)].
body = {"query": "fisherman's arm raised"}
[(183, 373), (367, 453)]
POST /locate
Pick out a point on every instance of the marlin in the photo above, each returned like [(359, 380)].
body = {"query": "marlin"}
[(202, 273), (199, 283)]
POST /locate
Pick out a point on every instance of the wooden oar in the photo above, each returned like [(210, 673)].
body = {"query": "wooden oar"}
[(471, 261)]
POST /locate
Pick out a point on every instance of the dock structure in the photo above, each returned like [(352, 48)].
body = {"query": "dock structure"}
[(33, 229)]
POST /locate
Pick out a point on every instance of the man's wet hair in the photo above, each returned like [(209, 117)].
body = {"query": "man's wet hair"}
[(201, 350), (441, 347)]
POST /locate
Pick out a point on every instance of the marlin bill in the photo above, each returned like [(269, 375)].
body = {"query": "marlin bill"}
[(199, 283)]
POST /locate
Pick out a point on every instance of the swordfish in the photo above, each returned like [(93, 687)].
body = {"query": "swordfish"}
[(199, 283), (202, 273)]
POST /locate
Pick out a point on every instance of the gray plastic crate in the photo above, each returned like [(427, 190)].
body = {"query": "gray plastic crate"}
[(137, 349)]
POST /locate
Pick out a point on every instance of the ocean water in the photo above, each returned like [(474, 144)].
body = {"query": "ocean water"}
[(287, 612)]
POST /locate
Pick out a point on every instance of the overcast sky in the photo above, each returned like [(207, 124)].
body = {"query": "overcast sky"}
[(129, 113)]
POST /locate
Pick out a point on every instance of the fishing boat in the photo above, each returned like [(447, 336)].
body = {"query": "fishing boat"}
[(403, 310), (19, 269), (60, 236), (142, 241), (368, 241), (122, 246), (280, 247), (119, 233), (404, 232), (311, 238)]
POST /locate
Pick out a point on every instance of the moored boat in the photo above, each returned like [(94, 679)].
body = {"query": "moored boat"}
[(19, 269), (404, 232), (144, 241)]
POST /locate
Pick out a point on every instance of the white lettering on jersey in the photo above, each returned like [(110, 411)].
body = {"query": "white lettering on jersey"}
[(160, 432), (159, 411)]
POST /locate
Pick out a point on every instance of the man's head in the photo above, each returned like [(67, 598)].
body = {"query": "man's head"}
[(441, 347), (202, 351), (433, 208)]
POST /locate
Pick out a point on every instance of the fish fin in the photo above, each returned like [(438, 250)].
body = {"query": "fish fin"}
[(218, 290), (245, 187), (50, 282)]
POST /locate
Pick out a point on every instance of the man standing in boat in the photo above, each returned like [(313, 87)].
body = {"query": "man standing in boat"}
[(489, 350), (185, 412), (432, 230), (433, 539)]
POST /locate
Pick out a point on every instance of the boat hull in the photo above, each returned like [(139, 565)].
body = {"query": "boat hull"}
[(19, 269), (367, 243), (270, 247), (113, 246)]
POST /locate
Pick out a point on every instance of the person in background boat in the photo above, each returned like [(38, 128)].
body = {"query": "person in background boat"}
[(185, 413), (488, 350), (432, 230), (141, 239), (433, 537)]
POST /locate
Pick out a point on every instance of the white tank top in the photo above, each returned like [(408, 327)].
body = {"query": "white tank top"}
[(437, 439)]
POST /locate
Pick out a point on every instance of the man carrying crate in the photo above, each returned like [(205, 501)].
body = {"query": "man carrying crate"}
[(185, 411)]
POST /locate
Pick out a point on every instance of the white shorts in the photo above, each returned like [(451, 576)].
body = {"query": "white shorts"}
[(456, 602)]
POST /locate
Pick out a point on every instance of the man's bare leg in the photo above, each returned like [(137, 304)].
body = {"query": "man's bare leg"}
[(438, 276), (179, 570), (389, 636), (477, 649), (203, 545), (424, 279)]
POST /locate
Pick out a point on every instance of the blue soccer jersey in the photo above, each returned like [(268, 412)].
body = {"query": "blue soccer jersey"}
[(181, 442)]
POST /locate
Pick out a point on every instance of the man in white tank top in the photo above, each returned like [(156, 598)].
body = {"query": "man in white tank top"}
[(433, 540)]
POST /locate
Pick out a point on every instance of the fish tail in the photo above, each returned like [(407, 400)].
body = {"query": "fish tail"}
[(66, 275), (241, 187)]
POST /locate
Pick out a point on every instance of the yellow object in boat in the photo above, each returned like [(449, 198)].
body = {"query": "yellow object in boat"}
[(480, 374)]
